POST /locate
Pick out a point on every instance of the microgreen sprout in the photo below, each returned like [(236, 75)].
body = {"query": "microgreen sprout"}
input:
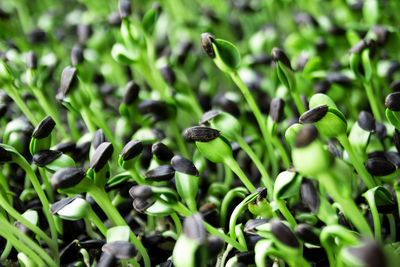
[(122, 144)]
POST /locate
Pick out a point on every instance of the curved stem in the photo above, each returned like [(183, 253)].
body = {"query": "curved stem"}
[(180, 208), (96, 221), (85, 114), (21, 247), (264, 174), (234, 166), (6, 251), (297, 100), (259, 117), (13, 93), (376, 220), (42, 197), (16, 215), (99, 121), (28, 241), (46, 184), (177, 223), (347, 205), (236, 192), (101, 198), (358, 165), (371, 99), (179, 140), (285, 212)]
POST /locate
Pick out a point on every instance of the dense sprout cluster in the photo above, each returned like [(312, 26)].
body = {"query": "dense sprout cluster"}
[(200, 133)]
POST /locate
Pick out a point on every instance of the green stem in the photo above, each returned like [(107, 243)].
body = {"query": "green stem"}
[(16, 215), (19, 246), (136, 176), (6, 251), (28, 241), (97, 222), (46, 184), (102, 199), (398, 200), (179, 140), (180, 208), (13, 93), (347, 205), (234, 166), (371, 98), (236, 192), (71, 122), (282, 151), (358, 165), (42, 197), (259, 117), (89, 229), (285, 212), (264, 174), (177, 223), (85, 114), (228, 177), (99, 121), (376, 220), (297, 100), (392, 226)]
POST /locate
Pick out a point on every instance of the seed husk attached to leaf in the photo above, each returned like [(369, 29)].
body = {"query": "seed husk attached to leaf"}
[(310, 196), (209, 115), (100, 157), (392, 101), (206, 42), (131, 92), (194, 229), (305, 232), (379, 166), (141, 191), (161, 173), (132, 149), (366, 121), (44, 157), (276, 109), (44, 128), (68, 78), (184, 165), (31, 60), (67, 177), (120, 249), (200, 134), (313, 115), (283, 233), (279, 55), (98, 138), (306, 136), (161, 151)]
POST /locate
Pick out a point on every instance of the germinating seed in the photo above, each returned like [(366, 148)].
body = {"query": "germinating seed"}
[(146, 91), (44, 157)]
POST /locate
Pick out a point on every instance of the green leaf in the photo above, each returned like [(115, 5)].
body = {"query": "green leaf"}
[(32, 216), (371, 12), (122, 55), (313, 64), (321, 99), (149, 20), (118, 233), (393, 118), (159, 209), (366, 65), (287, 184), (227, 55)]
